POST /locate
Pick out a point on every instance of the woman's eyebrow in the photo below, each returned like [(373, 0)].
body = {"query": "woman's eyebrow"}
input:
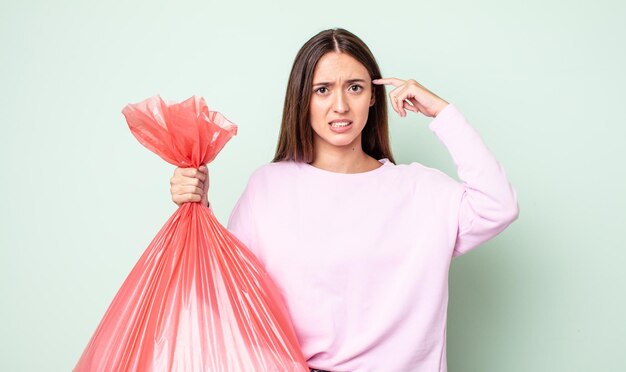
[(347, 82)]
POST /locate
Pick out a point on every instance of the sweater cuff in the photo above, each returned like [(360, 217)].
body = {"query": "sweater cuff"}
[(449, 114)]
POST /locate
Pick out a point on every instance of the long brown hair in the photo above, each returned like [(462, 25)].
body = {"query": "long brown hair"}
[(295, 140)]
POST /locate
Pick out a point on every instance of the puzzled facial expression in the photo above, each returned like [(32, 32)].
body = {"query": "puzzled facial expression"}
[(340, 101)]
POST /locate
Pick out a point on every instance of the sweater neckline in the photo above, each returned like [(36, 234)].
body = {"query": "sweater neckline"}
[(312, 169)]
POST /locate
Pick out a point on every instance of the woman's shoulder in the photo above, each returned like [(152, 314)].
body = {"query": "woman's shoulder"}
[(274, 170), (422, 173), (419, 168)]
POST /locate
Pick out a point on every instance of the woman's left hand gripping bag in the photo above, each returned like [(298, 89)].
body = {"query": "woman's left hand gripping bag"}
[(197, 299)]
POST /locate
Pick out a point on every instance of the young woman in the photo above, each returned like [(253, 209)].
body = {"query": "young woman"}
[(360, 247)]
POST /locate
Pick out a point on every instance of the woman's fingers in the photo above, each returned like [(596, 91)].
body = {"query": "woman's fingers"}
[(189, 184), (205, 189), (418, 107), (392, 81), (186, 198), (189, 189), (393, 95), (193, 172), (186, 193), (408, 106), (204, 170), (184, 181), (186, 175), (190, 172), (392, 99), (421, 99), (396, 97), (403, 95)]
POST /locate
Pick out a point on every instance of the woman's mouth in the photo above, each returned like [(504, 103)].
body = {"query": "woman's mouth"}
[(340, 126)]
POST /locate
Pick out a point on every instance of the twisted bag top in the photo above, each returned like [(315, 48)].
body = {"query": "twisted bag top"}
[(184, 134)]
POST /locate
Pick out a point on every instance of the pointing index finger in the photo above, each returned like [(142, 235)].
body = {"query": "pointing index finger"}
[(393, 81)]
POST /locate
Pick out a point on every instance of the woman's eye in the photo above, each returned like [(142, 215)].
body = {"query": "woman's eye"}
[(358, 88), (321, 90)]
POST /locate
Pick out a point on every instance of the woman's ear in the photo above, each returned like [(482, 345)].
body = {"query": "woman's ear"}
[(372, 100)]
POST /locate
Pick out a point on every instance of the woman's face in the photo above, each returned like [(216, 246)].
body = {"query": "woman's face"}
[(340, 101)]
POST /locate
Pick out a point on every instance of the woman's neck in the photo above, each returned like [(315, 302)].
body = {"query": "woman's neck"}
[(346, 159)]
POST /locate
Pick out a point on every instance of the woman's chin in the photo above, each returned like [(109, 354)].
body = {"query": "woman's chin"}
[(346, 141), (343, 140)]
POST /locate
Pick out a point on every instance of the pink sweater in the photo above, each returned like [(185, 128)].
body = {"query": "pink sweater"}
[(362, 259)]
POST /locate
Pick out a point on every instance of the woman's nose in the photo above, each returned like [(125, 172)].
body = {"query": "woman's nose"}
[(340, 103)]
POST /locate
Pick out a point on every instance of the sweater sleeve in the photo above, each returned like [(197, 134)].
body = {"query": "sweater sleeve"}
[(489, 202)]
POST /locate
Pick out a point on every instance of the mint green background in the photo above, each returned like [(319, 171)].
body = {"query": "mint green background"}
[(542, 81)]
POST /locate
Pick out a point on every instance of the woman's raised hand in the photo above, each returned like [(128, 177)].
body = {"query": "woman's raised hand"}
[(411, 95), (190, 185)]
